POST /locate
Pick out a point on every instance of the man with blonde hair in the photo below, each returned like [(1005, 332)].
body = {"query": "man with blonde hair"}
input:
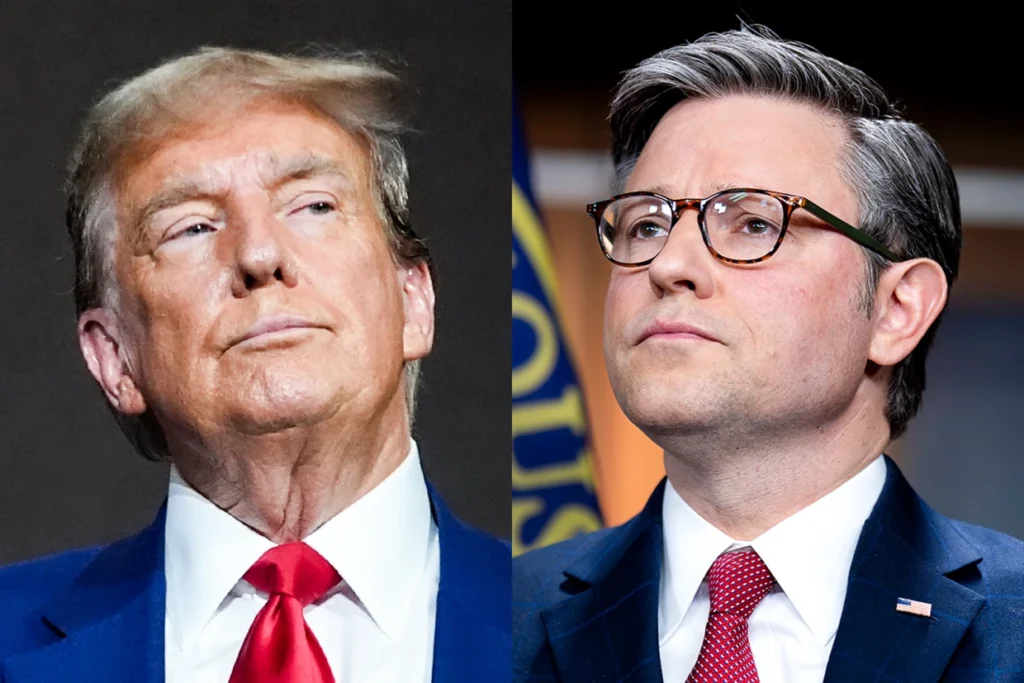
[(254, 305)]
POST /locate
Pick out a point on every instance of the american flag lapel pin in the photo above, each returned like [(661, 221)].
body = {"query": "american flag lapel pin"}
[(921, 609)]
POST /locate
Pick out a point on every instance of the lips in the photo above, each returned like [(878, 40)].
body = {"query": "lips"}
[(276, 323), (672, 329)]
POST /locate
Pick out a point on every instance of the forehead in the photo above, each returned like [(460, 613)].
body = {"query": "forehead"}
[(701, 145), (257, 143)]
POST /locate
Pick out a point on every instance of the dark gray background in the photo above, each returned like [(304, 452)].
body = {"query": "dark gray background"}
[(67, 476)]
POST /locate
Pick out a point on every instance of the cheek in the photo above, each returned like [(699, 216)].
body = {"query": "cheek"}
[(360, 282), (624, 300), (179, 288), (796, 325), (170, 318)]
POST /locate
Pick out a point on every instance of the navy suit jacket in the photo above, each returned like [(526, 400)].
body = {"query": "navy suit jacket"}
[(98, 614), (586, 610)]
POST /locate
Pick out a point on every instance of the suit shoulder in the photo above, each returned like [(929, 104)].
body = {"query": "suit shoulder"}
[(538, 573), (26, 587), (44, 574), (475, 563), (1002, 562), (989, 539), (537, 585), (490, 555), (487, 556)]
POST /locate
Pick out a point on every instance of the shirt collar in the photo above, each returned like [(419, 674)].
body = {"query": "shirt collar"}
[(379, 545), (808, 553)]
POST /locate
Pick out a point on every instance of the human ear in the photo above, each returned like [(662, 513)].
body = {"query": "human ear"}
[(909, 297), (101, 338), (418, 305)]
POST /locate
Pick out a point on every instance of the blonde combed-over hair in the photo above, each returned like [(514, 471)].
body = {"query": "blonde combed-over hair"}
[(354, 90)]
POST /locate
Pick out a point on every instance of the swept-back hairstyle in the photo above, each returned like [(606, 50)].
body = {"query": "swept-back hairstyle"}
[(354, 90), (905, 188)]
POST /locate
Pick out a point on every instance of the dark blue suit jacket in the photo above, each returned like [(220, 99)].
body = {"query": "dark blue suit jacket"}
[(98, 614), (586, 610)]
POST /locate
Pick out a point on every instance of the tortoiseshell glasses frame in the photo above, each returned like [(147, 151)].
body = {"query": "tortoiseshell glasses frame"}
[(789, 204)]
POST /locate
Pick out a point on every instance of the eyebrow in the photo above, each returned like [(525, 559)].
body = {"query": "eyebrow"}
[(274, 172), (303, 167), (708, 190)]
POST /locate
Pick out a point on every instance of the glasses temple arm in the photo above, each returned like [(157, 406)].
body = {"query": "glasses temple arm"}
[(858, 236)]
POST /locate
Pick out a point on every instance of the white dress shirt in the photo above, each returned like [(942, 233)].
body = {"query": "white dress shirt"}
[(809, 554), (376, 626)]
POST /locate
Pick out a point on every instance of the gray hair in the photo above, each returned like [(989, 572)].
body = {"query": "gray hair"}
[(355, 91), (905, 187)]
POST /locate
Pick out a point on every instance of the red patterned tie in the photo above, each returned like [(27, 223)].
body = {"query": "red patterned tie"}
[(737, 581), (279, 647)]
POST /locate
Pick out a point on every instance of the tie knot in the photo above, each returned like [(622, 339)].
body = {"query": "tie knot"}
[(293, 569), (737, 581)]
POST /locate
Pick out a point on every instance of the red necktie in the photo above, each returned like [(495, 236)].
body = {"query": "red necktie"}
[(736, 583), (279, 647)]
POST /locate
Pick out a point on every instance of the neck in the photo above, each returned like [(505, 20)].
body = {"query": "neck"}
[(287, 483), (747, 489)]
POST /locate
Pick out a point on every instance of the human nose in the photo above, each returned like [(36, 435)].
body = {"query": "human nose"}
[(684, 262), (262, 255)]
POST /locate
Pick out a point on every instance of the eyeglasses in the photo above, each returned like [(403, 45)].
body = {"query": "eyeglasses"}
[(738, 225)]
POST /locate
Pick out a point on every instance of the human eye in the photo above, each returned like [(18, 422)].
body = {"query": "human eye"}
[(647, 230), (312, 213), (182, 223), (757, 226), (320, 208), (188, 230), (305, 201), (643, 220)]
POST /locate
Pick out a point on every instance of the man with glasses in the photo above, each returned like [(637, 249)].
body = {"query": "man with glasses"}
[(773, 350)]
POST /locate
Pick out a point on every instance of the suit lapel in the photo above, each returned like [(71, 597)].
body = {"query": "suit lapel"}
[(109, 623), (473, 634), (906, 550), (607, 630)]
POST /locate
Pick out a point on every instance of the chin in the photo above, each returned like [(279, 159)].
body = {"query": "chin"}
[(280, 400), (292, 390), (660, 408), (266, 418)]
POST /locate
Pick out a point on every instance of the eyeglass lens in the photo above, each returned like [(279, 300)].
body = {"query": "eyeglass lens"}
[(739, 226)]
